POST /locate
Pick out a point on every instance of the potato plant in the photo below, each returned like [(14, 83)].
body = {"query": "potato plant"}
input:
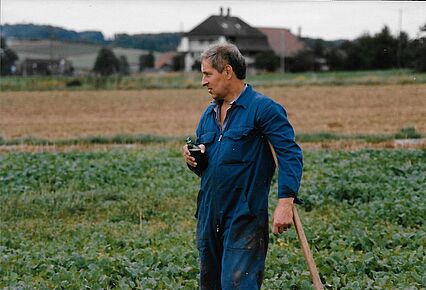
[(124, 219)]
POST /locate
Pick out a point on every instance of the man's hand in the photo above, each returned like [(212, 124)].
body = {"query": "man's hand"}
[(283, 216), (187, 155)]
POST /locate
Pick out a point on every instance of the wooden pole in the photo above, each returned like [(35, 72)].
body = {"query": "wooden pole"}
[(302, 239), (306, 251)]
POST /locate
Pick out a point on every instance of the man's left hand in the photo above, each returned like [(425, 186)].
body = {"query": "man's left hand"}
[(283, 216)]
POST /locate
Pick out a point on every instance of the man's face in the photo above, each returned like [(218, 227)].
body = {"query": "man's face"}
[(213, 80)]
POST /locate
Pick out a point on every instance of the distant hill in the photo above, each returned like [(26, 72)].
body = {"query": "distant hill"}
[(160, 42), (44, 32), (156, 42)]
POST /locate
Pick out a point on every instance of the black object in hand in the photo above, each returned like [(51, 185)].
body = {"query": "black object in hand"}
[(195, 150)]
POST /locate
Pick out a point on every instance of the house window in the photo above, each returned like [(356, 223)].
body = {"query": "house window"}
[(237, 26), (225, 25)]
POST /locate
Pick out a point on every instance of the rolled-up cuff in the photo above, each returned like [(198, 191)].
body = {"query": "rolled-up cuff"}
[(288, 195)]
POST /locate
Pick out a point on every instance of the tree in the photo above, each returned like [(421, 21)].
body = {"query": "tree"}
[(178, 62), (7, 58), (403, 52), (419, 51), (319, 48), (268, 61), (358, 53), (303, 61), (124, 67), (335, 58), (106, 62), (146, 61), (196, 66), (385, 50)]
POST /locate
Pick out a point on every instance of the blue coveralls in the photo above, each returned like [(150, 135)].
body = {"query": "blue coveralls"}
[(232, 204)]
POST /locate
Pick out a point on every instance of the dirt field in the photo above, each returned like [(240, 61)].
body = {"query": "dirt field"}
[(345, 109)]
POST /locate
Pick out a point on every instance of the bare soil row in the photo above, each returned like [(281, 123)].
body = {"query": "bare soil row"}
[(311, 109)]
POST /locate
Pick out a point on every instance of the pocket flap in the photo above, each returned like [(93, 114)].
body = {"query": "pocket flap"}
[(206, 138), (237, 134)]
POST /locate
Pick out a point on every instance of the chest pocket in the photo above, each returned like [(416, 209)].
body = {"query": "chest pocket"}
[(238, 145)]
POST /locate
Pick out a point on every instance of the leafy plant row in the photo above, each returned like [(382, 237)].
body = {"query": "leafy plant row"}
[(124, 219)]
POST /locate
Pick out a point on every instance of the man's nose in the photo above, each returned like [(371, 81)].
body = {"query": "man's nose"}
[(204, 82)]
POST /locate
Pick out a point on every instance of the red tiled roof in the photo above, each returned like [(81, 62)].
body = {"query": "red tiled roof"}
[(289, 47), (165, 59)]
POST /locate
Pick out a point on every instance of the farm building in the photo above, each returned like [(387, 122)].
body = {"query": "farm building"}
[(166, 61), (282, 41), (220, 29), (45, 67)]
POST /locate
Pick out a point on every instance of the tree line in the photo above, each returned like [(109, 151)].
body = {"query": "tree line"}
[(380, 51), (368, 52)]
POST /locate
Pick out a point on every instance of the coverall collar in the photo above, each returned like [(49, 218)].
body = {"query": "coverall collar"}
[(242, 100)]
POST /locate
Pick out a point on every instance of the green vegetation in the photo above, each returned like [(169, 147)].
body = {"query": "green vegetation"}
[(116, 139), (408, 132), (123, 219), (404, 133), (193, 80)]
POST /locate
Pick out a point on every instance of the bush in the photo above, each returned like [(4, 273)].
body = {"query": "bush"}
[(408, 133), (74, 83)]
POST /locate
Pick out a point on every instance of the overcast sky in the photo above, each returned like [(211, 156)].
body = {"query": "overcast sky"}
[(318, 19)]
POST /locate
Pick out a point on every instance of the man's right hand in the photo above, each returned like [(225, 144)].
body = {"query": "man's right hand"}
[(187, 155)]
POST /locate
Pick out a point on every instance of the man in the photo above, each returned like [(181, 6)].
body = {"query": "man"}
[(232, 206)]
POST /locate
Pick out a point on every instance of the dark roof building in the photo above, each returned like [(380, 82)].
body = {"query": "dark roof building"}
[(220, 29), (46, 67), (235, 30)]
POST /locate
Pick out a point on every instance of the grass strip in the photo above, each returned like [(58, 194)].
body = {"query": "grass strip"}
[(180, 80), (404, 133), (88, 140)]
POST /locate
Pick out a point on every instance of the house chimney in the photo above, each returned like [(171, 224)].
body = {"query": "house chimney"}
[(221, 11), (299, 31), (228, 12)]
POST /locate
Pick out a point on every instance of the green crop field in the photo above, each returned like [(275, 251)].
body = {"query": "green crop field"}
[(124, 219)]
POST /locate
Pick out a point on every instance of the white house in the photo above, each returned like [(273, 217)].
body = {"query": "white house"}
[(220, 29)]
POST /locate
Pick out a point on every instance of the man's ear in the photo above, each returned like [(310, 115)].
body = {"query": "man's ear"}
[(229, 71)]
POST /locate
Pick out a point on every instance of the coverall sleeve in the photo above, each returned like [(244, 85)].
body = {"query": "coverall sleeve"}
[(279, 132)]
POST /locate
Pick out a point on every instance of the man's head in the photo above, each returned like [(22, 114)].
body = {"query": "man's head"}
[(222, 66), (222, 54)]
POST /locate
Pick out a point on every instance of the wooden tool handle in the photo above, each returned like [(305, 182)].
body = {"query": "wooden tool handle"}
[(306, 251), (302, 239)]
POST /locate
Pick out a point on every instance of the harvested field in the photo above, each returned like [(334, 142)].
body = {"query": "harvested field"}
[(344, 109)]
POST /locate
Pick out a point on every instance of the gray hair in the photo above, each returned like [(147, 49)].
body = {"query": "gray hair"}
[(226, 53)]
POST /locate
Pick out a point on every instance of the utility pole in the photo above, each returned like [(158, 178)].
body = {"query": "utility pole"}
[(398, 53)]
